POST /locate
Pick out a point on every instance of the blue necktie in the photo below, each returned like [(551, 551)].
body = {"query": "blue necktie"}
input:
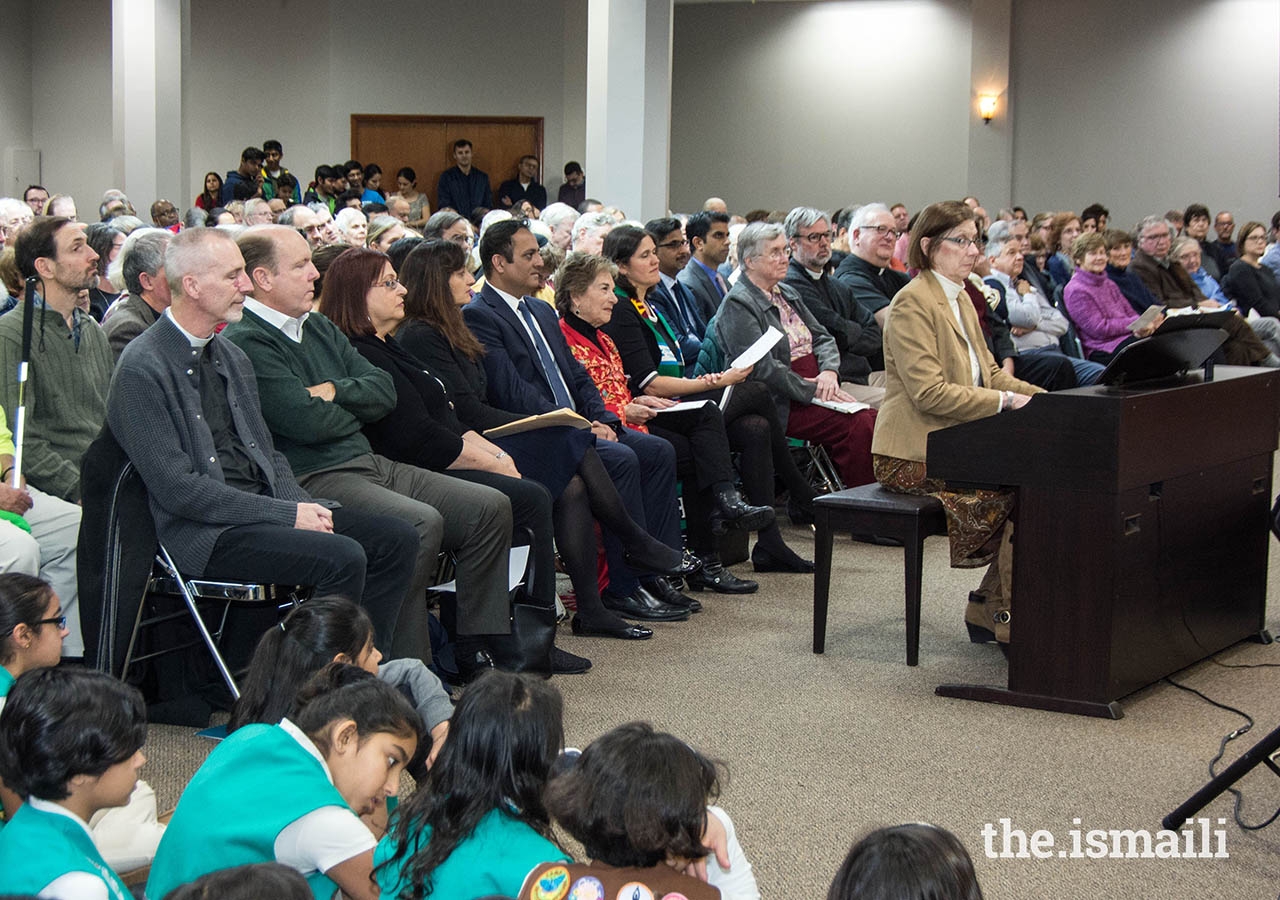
[(690, 310), (549, 368)]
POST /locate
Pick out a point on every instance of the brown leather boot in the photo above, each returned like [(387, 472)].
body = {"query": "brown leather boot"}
[(986, 619)]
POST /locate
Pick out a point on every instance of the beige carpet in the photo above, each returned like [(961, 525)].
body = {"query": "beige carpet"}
[(819, 749)]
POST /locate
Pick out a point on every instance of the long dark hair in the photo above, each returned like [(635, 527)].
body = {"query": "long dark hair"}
[(425, 275), (339, 691), (636, 797), (504, 736), (23, 601), (344, 300), (620, 245), (211, 201), (304, 643)]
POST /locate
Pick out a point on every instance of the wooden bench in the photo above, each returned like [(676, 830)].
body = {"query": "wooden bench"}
[(872, 510)]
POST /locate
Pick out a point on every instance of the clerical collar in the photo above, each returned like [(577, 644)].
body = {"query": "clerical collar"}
[(197, 343)]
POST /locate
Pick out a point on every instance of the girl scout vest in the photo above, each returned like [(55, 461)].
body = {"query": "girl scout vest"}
[(38, 847), (252, 786)]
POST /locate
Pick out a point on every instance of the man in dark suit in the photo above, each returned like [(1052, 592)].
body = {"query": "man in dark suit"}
[(708, 235), (531, 370), (671, 298)]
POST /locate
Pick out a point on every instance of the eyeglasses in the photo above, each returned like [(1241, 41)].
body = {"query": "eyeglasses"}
[(390, 284), (60, 621), (1162, 236), (964, 243), (816, 237), (672, 245), (778, 254), (882, 230)]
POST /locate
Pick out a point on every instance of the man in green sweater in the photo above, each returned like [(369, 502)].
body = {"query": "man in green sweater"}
[(317, 392), (70, 362)]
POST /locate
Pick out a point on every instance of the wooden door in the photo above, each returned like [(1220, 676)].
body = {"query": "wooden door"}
[(425, 144)]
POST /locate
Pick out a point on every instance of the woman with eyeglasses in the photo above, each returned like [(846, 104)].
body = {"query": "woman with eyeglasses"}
[(938, 373), (802, 369), (1248, 282), (32, 627)]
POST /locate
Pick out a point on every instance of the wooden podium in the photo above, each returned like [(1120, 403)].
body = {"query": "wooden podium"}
[(1140, 532)]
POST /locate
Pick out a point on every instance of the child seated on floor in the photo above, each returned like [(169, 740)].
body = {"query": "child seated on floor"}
[(292, 793), (71, 745), (907, 862), (32, 628)]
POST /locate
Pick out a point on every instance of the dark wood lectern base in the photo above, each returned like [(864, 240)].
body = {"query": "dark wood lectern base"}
[(989, 693)]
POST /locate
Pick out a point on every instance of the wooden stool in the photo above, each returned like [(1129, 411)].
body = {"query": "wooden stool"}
[(872, 510)]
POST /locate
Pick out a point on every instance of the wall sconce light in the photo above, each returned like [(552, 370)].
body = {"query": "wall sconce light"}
[(987, 107)]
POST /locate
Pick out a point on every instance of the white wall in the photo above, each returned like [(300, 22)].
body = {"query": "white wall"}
[(15, 97), (764, 112), (1147, 106)]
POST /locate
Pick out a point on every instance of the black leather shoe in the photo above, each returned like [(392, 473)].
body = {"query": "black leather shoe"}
[(644, 605), (800, 513), (565, 663), (764, 561), (665, 591), (687, 563), (624, 632), (715, 577), (472, 666), (731, 511)]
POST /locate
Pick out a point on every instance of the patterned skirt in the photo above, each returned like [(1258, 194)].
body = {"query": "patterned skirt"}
[(975, 518)]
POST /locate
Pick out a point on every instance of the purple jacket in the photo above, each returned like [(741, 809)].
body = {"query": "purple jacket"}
[(1100, 312)]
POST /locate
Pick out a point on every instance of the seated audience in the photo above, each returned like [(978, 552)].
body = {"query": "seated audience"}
[(559, 217), (434, 333), (317, 394), (1101, 313), (1036, 324), (907, 862), (833, 304), (478, 825), (1195, 224), (939, 372), (352, 226), (1187, 252), (1224, 248), (142, 269), (590, 229), (321, 631), (337, 756), (647, 353), (1172, 286), (574, 190), (1119, 256), (71, 745), (104, 240), (372, 191), (1249, 283), (407, 189), (1064, 228), (636, 800), (531, 370), (1271, 259), (258, 212), (524, 186), (801, 369), (708, 235), (422, 430), (671, 299), (448, 225), (225, 502), (384, 231), (1093, 218)]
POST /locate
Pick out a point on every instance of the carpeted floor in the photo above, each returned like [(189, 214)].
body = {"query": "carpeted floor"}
[(819, 749)]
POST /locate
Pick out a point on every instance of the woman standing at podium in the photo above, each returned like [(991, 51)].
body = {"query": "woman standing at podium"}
[(939, 372)]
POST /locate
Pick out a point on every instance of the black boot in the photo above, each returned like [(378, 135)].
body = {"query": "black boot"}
[(665, 591), (714, 576), (732, 511)]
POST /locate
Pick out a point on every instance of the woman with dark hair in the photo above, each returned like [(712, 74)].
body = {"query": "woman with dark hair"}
[(321, 631), (306, 780), (211, 197), (637, 802), (106, 241), (478, 826), (651, 359), (373, 192), (251, 882), (907, 862), (1249, 283), (407, 189), (939, 372), (71, 743), (430, 428)]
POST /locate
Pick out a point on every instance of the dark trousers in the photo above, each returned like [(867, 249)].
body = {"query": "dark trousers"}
[(368, 559), (643, 468), (702, 459)]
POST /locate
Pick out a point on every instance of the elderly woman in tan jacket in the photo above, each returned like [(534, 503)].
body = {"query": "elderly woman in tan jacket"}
[(939, 372)]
